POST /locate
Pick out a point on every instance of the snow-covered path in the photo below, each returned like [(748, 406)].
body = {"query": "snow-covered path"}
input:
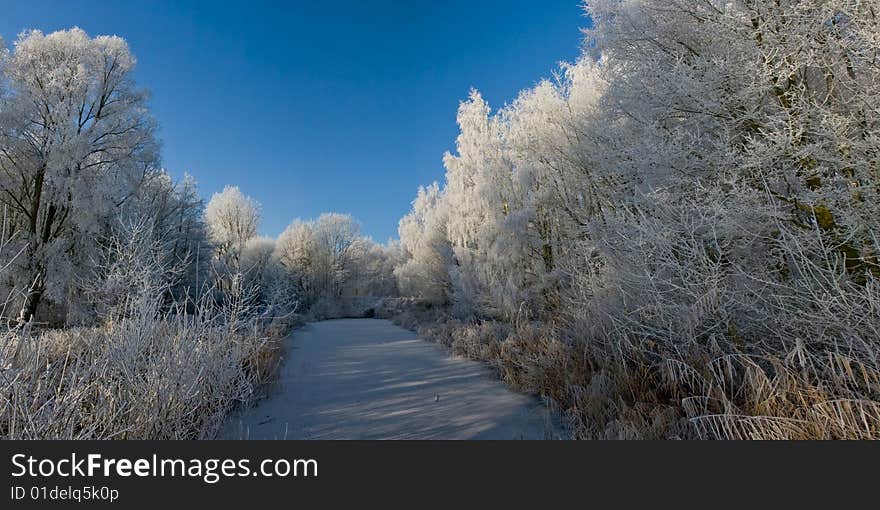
[(369, 379)]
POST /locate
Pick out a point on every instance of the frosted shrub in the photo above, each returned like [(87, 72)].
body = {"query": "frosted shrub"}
[(155, 369), (168, 377), (778, 346)]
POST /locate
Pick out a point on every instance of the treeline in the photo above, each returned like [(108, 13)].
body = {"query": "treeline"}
[(320, 267), (89, 213), (677, 236), (131, 309)]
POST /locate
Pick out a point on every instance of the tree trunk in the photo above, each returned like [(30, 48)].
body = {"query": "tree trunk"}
[(33, 297)]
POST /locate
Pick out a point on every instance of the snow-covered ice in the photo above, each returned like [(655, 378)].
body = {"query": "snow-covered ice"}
[(369, 379)]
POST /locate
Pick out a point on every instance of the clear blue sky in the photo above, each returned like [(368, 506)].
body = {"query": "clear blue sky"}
[(320, 106)]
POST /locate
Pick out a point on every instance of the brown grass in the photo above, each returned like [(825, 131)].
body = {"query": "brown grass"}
[(637, 390)]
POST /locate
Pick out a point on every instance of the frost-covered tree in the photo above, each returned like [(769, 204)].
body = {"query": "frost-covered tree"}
[(488, 253), (232, 219), (754, 114), (424, 272), (258, 266), (371, 270), (174, 213), (133, 276), (77, 141), (693, 205), (525, 185), (335, 233), (334, 236), (552, 137), (317, 255), (296, 253)]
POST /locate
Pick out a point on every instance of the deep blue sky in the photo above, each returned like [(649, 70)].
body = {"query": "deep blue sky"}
[(317, 106)]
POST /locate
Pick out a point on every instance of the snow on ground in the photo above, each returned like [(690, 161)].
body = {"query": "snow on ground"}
[(369, 379)]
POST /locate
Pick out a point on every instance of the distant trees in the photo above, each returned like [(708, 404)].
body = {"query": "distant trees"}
[(93, 225), (372, 269), (297, 252), (324, 262), (232, 219), (259, 269), (334, 235), (328, 259)]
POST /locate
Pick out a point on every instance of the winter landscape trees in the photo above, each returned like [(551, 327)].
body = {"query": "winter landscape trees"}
[(675, 236), (327, 263), (77, 141), (180, 305), (687, 216)]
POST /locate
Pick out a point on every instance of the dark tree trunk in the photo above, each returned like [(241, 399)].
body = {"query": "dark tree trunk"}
[(33, 297)]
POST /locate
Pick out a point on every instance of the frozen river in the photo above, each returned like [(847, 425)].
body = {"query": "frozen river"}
[(370, 379)]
